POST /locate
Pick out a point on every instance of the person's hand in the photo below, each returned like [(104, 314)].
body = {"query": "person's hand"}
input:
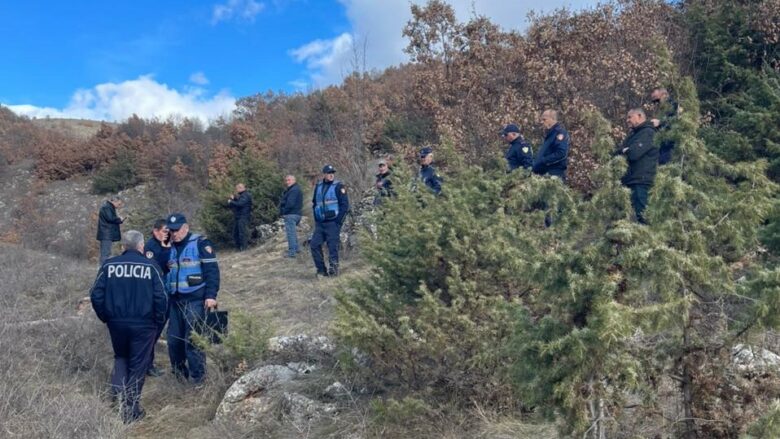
[(210, 303), (655, 122)]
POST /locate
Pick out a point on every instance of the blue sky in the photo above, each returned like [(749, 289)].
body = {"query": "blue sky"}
[(110, 59)]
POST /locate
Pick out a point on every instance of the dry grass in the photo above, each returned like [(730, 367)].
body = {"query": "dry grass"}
[(81, 129), (286, 292), (53, 376)]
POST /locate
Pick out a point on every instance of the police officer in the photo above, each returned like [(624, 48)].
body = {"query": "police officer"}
[(667, 109), (158, 249), (428, 173), (642, 156), (193, 283), (129, 296), (520, 154), (552, 158), (241, 205), (330, 204), (108, 226)]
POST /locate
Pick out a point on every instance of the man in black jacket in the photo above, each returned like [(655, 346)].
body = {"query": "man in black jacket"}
[(667, 109), (108, 226), (129, 296), (241, 204), (158, 249), (291, 209), (642, 156)]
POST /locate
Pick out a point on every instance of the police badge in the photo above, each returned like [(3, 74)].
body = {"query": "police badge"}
[(150, 255), (559, 137)]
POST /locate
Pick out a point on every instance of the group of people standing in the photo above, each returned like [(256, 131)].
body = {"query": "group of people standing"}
[(639, 149), (174, 277)]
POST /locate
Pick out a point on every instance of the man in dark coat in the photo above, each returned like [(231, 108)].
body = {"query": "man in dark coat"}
[(642, 156), (553, 156), (428, 174), (158, 249), (383, 184), (108, 226), (667, 111), (520, 154), (129, 296), (241, 205), (291, 209)]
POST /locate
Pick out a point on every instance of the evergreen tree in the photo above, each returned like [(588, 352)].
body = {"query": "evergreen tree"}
[(630, 305), (262, 179)]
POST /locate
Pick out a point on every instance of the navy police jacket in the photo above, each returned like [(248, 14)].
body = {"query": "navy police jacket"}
[(129, 288), (553, 155), (519, 155), (431, 179), (155, 251)]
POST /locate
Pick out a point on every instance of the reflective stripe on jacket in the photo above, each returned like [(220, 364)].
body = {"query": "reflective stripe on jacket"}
[(326, 202), (185, 268)]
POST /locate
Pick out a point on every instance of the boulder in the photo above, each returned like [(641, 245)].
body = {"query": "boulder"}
[(261, 393), (301, 409), (301, 347), (752, 359)]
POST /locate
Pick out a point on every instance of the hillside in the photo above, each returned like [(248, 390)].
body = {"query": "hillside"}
[(81, 129)]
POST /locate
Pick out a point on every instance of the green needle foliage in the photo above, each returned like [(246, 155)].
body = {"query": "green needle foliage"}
[(262, 179), (470, 288)]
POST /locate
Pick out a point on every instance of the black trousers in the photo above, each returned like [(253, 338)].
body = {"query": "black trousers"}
[(240, 235), (132, 343)]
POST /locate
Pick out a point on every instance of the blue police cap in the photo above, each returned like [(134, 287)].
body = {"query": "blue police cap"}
[(511, 128), (426, 151), (328, 169), (175, 221)]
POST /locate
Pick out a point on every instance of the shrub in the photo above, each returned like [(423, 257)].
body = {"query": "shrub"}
[(263, 181), (448, 274), (244, 345), (117, 176)]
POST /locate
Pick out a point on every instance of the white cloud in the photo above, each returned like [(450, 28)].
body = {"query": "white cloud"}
[(239, 9), (377, 27), (143, 96), (199, 78)]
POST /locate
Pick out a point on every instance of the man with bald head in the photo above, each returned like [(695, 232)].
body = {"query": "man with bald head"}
[(553, 156), (642, 156), (241, 205)]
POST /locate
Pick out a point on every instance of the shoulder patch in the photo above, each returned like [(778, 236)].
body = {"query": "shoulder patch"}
[(525, 150), (150, 255), (208, 249), (343, 190), (560, 137)]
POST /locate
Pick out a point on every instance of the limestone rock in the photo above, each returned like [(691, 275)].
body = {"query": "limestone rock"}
[(750, 359)]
